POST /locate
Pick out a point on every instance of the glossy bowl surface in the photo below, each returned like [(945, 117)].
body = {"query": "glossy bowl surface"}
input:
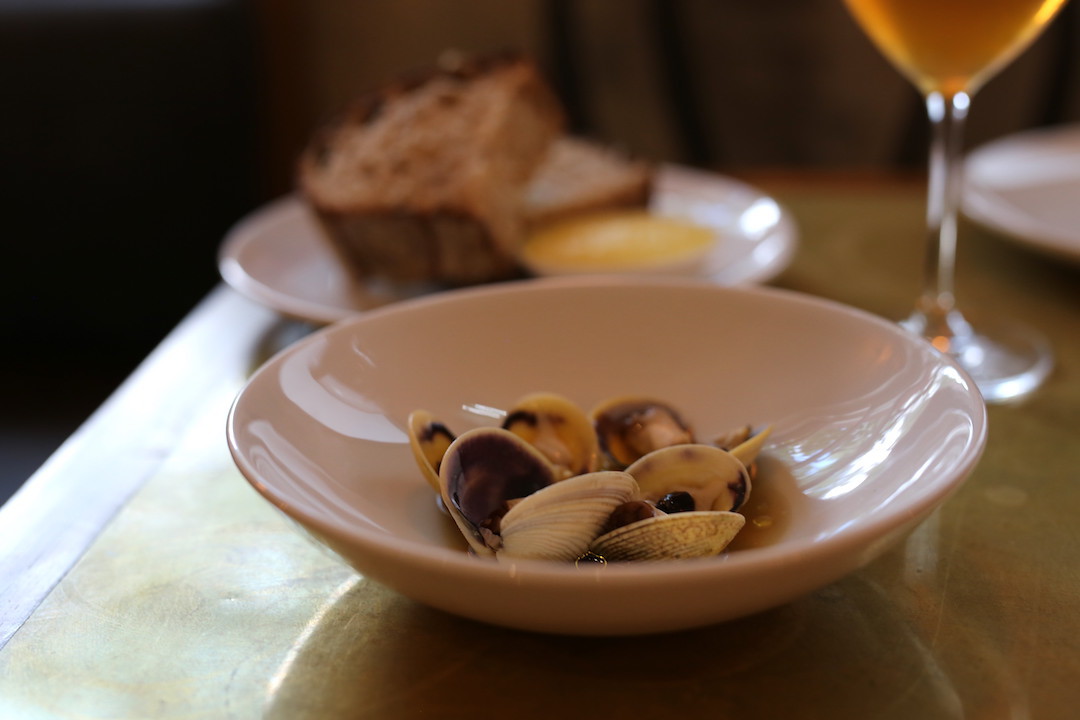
[(873, 430)]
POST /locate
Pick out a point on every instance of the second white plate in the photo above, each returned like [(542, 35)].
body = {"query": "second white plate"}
[(1027, 186), (276, 257)]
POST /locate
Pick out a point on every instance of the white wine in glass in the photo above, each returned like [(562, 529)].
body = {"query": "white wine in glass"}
[(948, 49)]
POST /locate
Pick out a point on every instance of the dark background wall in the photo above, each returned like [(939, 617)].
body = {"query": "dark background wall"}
[(728, 85), (127, 150)]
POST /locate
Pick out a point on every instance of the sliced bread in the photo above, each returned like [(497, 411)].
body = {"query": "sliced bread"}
[(423, 180)]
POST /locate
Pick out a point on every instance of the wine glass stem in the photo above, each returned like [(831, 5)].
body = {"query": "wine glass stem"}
[(936, 310)]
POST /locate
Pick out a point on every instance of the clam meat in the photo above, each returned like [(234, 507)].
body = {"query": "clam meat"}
[(629, 427)]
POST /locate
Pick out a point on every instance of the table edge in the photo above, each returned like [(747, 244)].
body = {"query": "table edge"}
[(61, 509)]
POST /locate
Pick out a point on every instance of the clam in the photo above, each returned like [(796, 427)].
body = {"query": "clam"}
[(694, 490), (503, 496), (733, 438), (560, 521), (629, 512), (429, 440), (483, 472), (714, 478), (748, 450), (531, 488), (630, 427), (558, 428), (677, 536)]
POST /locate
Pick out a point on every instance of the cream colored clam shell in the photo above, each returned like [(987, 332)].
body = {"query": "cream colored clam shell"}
[(676, 536), (560, 521), (748, 450), (428, 448), (559, 429), (715, 478)]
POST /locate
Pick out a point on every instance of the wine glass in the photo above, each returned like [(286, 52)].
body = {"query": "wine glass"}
[(948, 49)]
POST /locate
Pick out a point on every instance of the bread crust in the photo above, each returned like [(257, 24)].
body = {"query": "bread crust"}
[(409, 247)]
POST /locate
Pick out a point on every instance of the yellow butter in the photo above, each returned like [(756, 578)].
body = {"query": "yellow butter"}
[(617, 240)]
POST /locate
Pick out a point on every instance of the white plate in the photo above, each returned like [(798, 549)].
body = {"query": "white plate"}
[(276, 257), (1027, 186), (873, 430)]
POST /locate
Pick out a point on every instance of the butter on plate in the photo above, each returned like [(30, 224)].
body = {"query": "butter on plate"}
[(634, 241)]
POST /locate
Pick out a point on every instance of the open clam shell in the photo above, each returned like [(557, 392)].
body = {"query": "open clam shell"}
[(560, 521), (557, 428), (715, 478), (429, 440), (483, 471), (748, 450), (677, 536), (630, 427), (733, 437)]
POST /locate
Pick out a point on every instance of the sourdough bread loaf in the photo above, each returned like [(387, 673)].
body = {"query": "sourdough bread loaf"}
[(424, 180)]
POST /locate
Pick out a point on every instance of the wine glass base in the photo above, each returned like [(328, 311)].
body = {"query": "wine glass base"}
[(1006, 361)]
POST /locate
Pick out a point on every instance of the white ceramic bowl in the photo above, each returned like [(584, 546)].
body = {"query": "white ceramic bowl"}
[(874, 429)]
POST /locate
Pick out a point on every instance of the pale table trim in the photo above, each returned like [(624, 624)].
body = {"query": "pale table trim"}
[(48, 524)]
